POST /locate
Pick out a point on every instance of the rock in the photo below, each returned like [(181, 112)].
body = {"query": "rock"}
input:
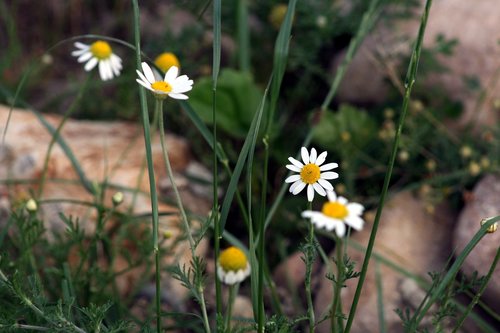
[(407, 236), (242, 309), (111, 151), (473, 23), (485, 203)]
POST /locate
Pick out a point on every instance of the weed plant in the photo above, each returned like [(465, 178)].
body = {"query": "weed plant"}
[(251, 108)]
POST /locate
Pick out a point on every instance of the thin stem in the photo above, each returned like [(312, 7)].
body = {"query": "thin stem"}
[(309, 262), (380, 298), (261, 248), (409, 82), (233, 291), (149, 157), (338, 286), (187, 228), (215, 211)]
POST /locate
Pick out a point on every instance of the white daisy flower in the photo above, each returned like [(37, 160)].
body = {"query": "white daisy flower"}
[(336, 213), (233, 266), (311, 173), (172, 85), (99, 52)]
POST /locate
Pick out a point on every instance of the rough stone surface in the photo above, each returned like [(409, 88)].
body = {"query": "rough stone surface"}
[(407, 236), (485, 203), (474, 24), (106, 150)]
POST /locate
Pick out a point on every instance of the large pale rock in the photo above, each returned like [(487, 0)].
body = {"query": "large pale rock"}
[(474, 24), (407, 236), (485, 203), (107, 151)]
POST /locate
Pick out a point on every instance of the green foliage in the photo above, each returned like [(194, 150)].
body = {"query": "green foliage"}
[(238, 98), (347, 124)]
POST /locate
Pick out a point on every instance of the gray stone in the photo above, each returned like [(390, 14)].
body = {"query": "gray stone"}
[(474, 24), (409, 237)]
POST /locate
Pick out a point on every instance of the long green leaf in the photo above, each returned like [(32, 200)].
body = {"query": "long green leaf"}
[(240, 164), (452, 272)]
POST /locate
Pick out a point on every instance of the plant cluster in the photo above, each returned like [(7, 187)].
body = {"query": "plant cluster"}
[(250, 120)]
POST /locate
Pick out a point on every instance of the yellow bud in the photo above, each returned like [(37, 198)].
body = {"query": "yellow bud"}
[(117, 198), (345, 136), (466, 151), (31, 206), (474, 168), (492, 228), (167, 234), (430, 165)]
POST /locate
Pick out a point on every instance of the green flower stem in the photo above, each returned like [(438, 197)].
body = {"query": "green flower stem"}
[(233, 291), (149, 157), (217, 10), (261, 247), (475, 300), (380, 298), (187, 228), (310, 306), (336, 325), (409, 82)]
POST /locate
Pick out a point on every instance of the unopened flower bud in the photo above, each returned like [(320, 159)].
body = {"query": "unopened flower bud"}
[(465, 151), (31, 206), (492, 228), (117, 198), (474, 168)]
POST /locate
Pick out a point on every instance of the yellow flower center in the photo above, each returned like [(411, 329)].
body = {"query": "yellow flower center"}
[(310, 173), (335, 210), (166, 60), (162, 86), (232, 259), (101, 50)]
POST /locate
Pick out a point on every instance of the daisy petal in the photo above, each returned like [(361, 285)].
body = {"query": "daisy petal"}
[(178, 96), (342, 200), (91, 64), (143, 78), (145, 85), (295, 162), (171, 74), (293, 168), (355, 208), (310, 193), (332, 196), (78, 53), (299, 187), (148, 72), (292, 179), (305, 155), (103, 71), (329, 175), (355, 222), (340, 229), (319, 189), (313, 156), (84, 57), (326, 184), (321, 158), (82, 46), (328, 166)]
